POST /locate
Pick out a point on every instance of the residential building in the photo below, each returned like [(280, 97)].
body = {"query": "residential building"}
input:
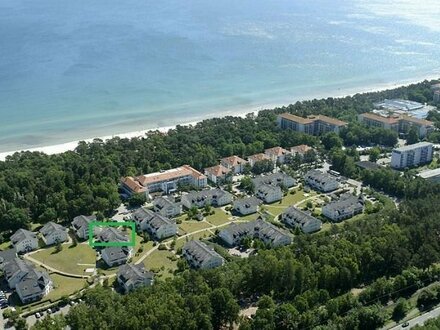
[(269, 193), (29, 283), (24, 241), (313, 125), (259, 229), (111, 235), (167, 207), (431, 175), (345, 207), (277, 154), (156, 224), (412, 155), (257, 158), (34, 287), (116, 255), (399, 123), (276, 179), (80, 225), (131, 276), (6, 256), (168, 181), (300, 150), (218, 174), (297, 218), (245, 206), (131, 186), (321, 181), (234, 163), (213, 197), (53, 233), (200, 255)]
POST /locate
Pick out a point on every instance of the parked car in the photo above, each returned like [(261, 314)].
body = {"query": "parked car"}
[(37, 315), (49, 311), (404, 325)]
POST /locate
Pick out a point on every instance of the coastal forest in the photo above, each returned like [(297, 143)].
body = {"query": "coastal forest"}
[(311, 284)]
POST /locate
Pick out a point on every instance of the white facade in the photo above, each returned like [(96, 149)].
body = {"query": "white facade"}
[(234, 163), (321, 181), (24, 241), (412, 155), (200, 256), (269, 194)]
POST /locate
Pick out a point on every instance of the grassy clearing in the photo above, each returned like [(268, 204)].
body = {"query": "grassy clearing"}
[(160, 261), (218, 218), (145, 247), (71, 259), (5, 245), (64, 286), (250, 217), (288, 200), (192, 226)]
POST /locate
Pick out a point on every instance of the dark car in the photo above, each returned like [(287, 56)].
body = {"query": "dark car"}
[(404, 325)]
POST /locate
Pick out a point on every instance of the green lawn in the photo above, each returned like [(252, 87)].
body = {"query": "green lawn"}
[(203, 234), (192, 226), (146, 247), (64, 286), (288, 200), (218, 218), (249, 217), (159, 261), (5, 245), (70, 260)]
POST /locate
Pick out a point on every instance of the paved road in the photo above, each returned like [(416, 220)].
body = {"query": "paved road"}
[(420, 320)]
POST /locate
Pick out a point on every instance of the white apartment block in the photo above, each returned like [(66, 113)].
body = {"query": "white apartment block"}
[(412, 155)]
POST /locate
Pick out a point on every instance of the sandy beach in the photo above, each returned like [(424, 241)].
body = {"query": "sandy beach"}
[(59, 148)]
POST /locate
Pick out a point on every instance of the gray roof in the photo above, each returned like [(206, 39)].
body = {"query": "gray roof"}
[(319, 176), (111, 234), (16, 265), (50, 228), (8, 255), (273, 179), (134, 273), (159, 220), (21, 235), (266, 189), (34, 283), (209, 194), (413, 146), (247, 202), (200, 251), (258, 228), (299, 216), (115, 253), (162, 202), (365, 164), (345, 202), (142, 214), (82, 221)]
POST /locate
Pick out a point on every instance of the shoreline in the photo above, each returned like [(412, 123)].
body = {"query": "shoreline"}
[(69, 146)]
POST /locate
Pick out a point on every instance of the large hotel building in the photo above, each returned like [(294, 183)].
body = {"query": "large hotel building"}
[(412, 155), (400, 123), (313, 125)]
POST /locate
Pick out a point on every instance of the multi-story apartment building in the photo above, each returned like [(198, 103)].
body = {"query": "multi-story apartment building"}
[(166, 181), (399, 123), (313, 125), (412, 155), (200, 255)]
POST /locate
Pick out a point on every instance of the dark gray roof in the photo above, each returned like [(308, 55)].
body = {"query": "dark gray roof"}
[(299, 216), (115, 253), (199, 251), (319, 176), (33, 284), (247, 202), (266, 189), (16, 265), (8, 255), (142, 213), (51, 227), (209, 194), (274, 179), (345, 202), (21, 235), (134, 273), (111, 234), (162, 202), (82, 221)]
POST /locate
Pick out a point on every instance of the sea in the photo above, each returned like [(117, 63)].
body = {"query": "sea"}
[(76, 69)]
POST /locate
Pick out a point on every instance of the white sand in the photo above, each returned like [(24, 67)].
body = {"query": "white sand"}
[(59, 148)]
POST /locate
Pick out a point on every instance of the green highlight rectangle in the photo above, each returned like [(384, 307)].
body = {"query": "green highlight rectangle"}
[(94, 224)]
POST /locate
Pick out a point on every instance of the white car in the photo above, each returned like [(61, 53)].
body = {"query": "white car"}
[(37, 315)]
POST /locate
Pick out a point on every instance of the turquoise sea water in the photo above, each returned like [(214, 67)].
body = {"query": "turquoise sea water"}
[(79, 69)]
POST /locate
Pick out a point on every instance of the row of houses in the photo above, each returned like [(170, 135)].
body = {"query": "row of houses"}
[(321, 181), (29, 283), (343, 208), (271, 235), (236, 165), (51, 233)]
